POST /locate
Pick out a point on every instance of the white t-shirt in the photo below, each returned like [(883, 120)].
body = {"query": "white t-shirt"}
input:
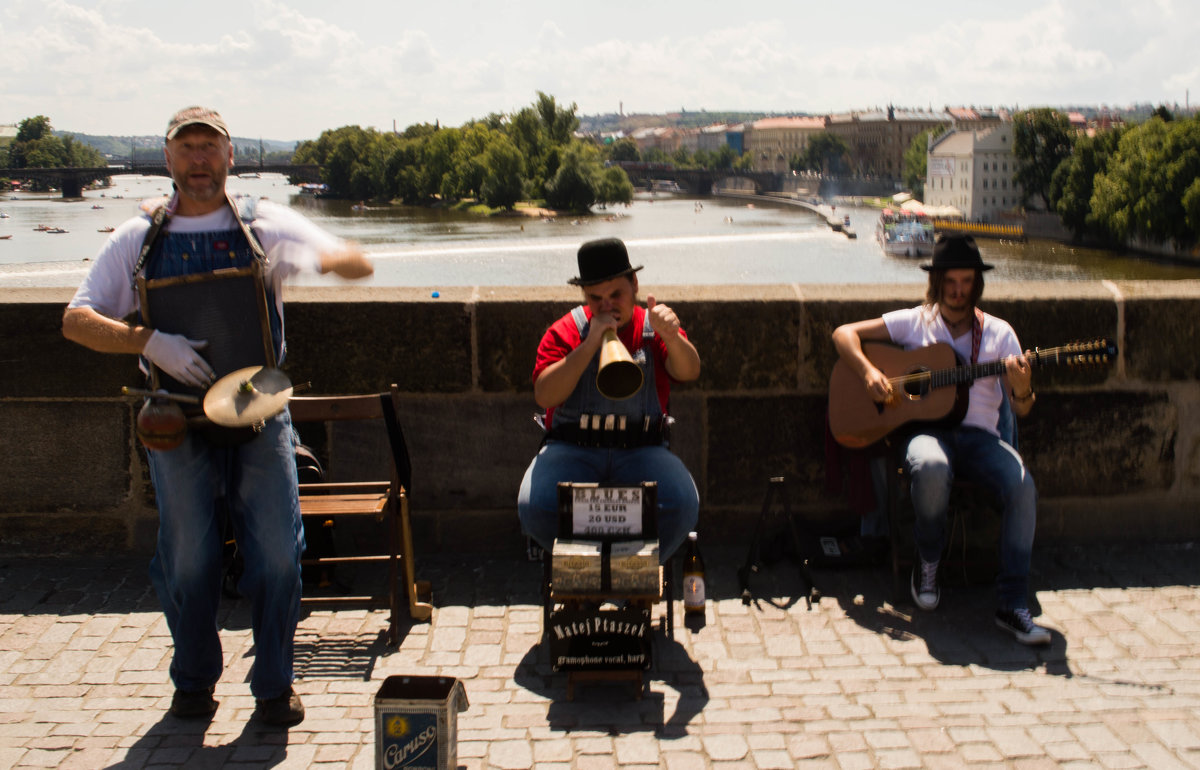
[(291, 242), (920, 326)]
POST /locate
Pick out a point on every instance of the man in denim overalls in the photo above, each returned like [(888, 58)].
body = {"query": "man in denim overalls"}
[(201, 230), (564, 384)]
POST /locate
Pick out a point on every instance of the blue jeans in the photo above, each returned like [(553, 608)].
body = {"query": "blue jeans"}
[(932, 460), (678, 500), (257, 481)]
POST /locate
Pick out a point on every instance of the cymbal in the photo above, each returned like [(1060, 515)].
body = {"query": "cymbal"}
[(247, 396)]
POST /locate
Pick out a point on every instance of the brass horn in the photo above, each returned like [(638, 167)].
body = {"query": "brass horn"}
[(619, 377)]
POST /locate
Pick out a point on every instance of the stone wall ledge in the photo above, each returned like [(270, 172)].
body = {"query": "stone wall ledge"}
[(1115, 450)]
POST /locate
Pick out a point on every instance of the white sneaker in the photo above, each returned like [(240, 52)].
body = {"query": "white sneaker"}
[(1020, 624), (924, 586)]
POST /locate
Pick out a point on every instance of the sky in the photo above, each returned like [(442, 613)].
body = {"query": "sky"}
[(290, 69)]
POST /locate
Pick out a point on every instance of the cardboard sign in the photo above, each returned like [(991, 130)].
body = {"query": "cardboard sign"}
[(606, 511)]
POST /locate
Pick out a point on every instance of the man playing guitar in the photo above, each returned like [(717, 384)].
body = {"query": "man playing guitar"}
[(935, 453)]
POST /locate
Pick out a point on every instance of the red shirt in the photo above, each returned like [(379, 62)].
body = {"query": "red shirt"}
[(563, 337)]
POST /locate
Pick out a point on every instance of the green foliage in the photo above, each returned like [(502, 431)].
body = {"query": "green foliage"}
[(32, 129), (572, 187), (1041, 141), (498, 160), (36, 146), (613, 186), (916, 161), (1072, 184), (824, 152), (1149, 186), (624, 149), (504, 183)]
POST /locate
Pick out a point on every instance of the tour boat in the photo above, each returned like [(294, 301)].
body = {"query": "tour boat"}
[(904, 234)]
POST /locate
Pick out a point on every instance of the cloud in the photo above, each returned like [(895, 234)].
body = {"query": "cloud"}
[(288, 69)]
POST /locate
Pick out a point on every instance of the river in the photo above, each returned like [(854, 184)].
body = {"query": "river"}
[(679, 239)]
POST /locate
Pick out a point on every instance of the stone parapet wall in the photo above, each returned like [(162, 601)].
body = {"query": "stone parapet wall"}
[(1115, 451)]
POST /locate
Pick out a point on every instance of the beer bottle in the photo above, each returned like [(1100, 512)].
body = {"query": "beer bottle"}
[(693, 577)]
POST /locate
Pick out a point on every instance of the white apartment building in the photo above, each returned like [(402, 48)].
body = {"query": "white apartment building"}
[(972, 170)]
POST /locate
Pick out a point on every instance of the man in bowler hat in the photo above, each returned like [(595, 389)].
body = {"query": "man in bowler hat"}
[(593, 437), (974, 449)]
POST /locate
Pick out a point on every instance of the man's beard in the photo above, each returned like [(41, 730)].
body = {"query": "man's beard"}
[(208, 191)]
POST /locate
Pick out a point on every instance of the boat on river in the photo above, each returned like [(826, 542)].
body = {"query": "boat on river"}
[(905, 234)]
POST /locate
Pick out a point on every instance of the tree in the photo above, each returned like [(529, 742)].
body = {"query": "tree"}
[(916, 161), (724, 158), (624, 149), (558, 123), (1073, 182), (504, 183), (36, 146), (438, 160), (572, 187), (1041, 141), (1149, 188), (613, 186), (826, 153), (32, 129)]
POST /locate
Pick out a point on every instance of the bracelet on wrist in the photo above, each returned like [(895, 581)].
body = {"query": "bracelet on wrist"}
[(1023, 398)]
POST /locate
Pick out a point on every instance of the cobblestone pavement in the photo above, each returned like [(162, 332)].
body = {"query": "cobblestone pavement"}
[(855, 682)]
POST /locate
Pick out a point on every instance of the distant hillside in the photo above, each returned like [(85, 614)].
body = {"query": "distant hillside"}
[(150, 147)]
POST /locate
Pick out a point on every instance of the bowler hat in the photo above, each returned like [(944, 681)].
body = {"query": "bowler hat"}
[(602, 260), (956, 252), (196, 116)]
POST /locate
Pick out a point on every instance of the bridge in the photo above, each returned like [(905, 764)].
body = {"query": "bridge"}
[(72, 180), (698, 181)]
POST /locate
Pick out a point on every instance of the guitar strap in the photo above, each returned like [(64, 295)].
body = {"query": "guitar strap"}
[(976, 336)]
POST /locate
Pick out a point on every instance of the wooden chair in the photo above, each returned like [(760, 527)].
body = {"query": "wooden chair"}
[(386, 501)]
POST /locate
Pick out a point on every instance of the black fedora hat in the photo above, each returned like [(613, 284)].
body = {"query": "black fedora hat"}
[(602, 260), (956, 252)]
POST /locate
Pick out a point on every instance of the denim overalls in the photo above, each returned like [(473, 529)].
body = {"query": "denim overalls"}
[(678, 500), (257, 481)]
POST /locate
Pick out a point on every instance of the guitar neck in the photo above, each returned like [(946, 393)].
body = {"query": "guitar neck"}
[(965, 373), (970, 372)]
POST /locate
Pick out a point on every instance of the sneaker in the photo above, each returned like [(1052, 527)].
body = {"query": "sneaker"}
[(1020, 624), (282, 710), (192, 704), (925, 591)]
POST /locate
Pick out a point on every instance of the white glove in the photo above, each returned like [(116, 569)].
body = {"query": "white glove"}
[(176, 355)]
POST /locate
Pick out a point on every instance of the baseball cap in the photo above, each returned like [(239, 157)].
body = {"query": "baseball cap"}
[(196, 116)]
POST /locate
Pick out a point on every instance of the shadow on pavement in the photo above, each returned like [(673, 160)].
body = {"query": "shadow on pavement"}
[(613, 707), (180, 743)]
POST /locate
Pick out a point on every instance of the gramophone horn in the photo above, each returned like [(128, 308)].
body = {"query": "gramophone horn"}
[(619, 377)]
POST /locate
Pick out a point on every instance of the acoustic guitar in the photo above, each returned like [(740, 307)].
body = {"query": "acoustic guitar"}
[(929, 384)]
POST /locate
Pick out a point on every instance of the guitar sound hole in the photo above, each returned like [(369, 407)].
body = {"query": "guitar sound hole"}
[(917, 387)]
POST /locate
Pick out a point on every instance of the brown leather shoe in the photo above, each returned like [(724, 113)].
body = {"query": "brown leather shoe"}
[(282, 710), (194, 704)]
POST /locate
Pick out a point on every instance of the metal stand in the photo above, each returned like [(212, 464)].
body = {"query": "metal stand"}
[(754, 558)]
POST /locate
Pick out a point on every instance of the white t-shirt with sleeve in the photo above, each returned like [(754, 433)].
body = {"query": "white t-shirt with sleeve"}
[(920, 326), (290, 240)]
